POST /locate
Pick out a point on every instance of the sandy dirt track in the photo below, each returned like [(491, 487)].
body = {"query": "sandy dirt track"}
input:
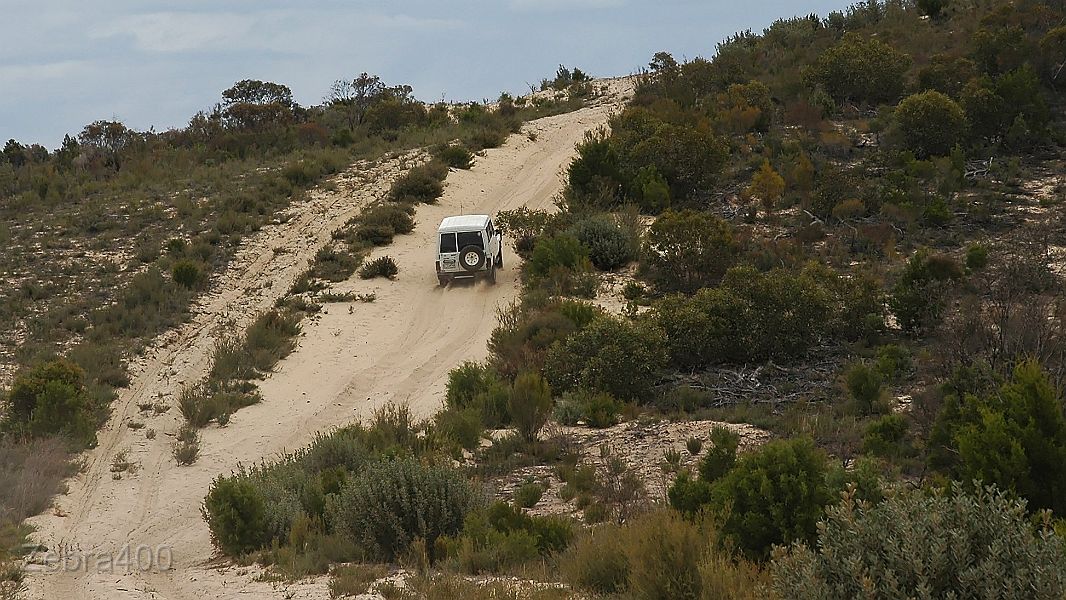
[(350, 360)]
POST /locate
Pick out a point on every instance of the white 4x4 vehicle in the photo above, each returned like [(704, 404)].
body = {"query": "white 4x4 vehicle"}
[(468, 246)]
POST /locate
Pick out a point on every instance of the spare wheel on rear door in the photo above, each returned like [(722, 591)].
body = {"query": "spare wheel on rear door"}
[(471, 258)]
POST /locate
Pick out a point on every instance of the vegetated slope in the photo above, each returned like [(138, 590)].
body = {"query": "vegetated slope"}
[(349, 361)]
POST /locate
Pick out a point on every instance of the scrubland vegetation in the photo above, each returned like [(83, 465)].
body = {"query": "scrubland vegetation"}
[(867, 203), (861, 213), (111, 238)]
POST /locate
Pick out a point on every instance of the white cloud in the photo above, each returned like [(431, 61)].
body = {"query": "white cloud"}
[(179, 32), (12, 74)]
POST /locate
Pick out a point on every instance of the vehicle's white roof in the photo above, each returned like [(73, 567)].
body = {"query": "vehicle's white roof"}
[(463, 223)]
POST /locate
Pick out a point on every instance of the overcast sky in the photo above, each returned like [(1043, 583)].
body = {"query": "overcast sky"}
[(65, 63)]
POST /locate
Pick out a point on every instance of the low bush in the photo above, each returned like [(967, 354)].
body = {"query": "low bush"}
[(721, 455), (865, 387), (609, 355), (609, 246), (663, 555), (931, 123), (236, 516), (774, 495), (689, 496), (893, 361), (919, 295), (383, 266), (597, 561), (187, 273), (1013, 437), (354, 580), (917, 543), (684, 399), (530, 404), (395, 217), (688, 250), (463, 426), (560, 252), (479, 388), (187, 447), (523, 341), (391, 503), (524, 226), (334, 265), (528, 494), (503, 537), (270, 338), (595, 409), (456, 156), (755, 316), (886, 437), (52, 398), (375, 235), (212, 400), (423, 184)]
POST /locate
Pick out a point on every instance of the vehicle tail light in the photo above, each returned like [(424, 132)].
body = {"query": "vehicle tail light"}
[(438, 266)]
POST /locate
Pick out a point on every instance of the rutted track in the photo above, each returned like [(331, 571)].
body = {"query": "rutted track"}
[(350, 360)]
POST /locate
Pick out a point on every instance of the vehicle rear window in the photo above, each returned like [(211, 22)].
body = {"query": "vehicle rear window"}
[(447, 243), (470, 238)]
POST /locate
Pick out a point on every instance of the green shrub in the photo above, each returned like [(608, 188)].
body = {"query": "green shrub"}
[(528, 494), (1013, 437), (775, 495), (530, 404), (524, 226), (689, 496), (893, 361), (663, 555), (354, 580), (865, 387), (186, 273), (502, 537), (861, 69), (721, 456), (391, 503), (187, 447), (609, 355), (609, 245), (52, 398), (394, 216), (595, 169), (596, 409), (383, 266), (456, 156), (976, 257), (754, 316), (557, 252), (236, 516), (421, 184), (213, 400), (885, 437), (463, 425), (918, 297), (688, 250), (333, 265), (684, 399), (375, 234), (478, 387), (917, 544), (931, 123), (597, 561), (270, 338)]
